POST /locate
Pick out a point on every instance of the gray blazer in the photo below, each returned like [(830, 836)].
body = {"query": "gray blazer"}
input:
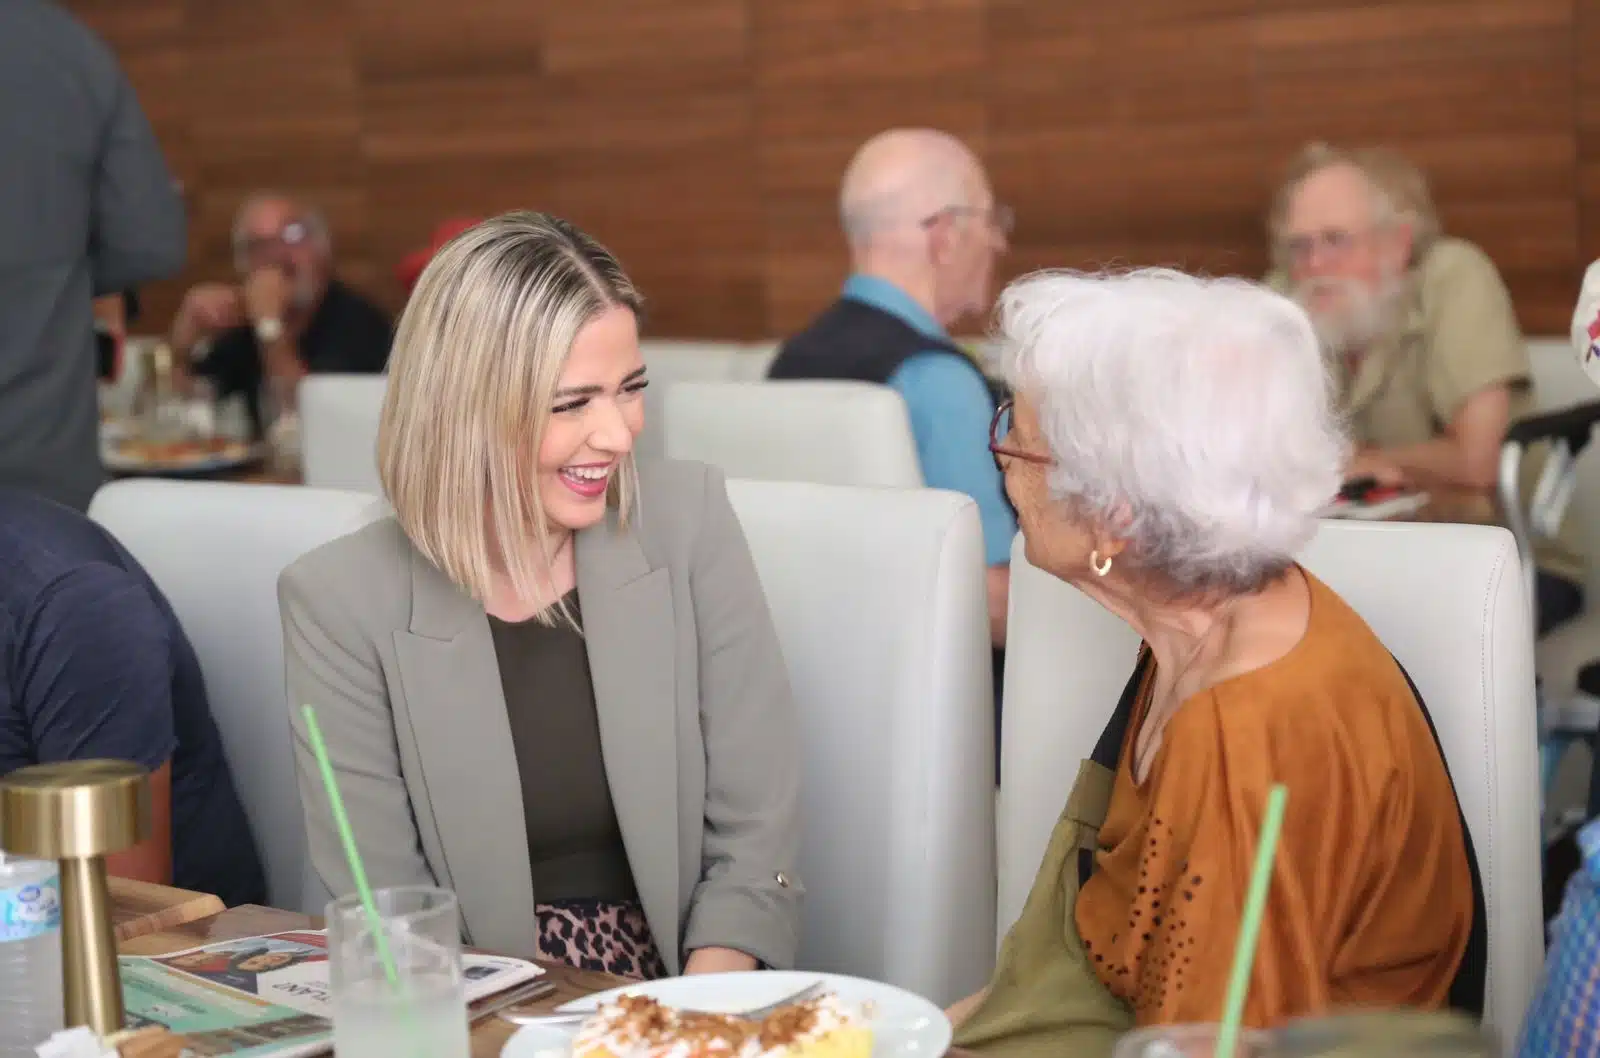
[(697, 724)]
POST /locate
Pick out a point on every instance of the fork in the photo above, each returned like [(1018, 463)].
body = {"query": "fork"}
[(753, 1014)]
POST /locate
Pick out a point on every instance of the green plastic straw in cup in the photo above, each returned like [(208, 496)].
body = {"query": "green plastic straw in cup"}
[(351, 854), (1255, 903)]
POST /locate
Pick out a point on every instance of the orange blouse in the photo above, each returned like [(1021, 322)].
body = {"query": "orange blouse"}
[(1371, 897)]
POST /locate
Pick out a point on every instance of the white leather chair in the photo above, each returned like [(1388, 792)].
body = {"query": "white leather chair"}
[(879, 600), (1446, 599), (829, 432), (339, 431), (216, 550)]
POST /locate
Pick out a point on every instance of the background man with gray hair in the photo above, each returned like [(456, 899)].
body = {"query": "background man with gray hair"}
[(924, 231), (87, 207), (1420, 333), (288, 316)]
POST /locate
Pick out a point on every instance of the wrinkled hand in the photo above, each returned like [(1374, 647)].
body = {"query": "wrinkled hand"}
[(266, 294), (1370, 463), (206, 309)]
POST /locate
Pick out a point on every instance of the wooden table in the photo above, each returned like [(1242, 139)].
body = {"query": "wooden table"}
[(1460, 505), (139, 908), (488, 1036)]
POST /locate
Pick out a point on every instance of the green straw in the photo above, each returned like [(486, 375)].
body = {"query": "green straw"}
[(351, 854), (1255, 903)]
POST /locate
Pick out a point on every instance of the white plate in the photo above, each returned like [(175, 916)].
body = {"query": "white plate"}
[(903, 1025), (235, 458)]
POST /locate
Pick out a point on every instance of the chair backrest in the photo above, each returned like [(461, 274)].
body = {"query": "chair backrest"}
[(1446, 599), (216, 550), (879, 600), (675, 360), (828, 432), (339, 431), (1559, 381)]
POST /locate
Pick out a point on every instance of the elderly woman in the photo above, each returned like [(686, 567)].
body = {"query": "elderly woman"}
[(1170, 446), (549, 681)]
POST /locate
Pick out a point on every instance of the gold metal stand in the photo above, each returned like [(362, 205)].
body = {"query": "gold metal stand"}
[(77, 812)]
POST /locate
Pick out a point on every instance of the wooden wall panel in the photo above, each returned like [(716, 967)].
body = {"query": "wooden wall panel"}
[(704, 139)]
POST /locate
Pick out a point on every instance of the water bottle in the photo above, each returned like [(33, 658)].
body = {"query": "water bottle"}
[(30, 955)]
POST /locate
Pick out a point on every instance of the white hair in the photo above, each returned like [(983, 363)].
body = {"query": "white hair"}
[(1193, 418)]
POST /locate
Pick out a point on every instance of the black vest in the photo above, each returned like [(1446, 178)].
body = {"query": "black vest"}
[(856, 341)]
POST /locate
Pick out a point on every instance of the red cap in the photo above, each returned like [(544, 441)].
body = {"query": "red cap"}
[(412, 264)]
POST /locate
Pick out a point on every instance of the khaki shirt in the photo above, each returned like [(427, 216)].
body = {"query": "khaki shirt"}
[(1458, 335)]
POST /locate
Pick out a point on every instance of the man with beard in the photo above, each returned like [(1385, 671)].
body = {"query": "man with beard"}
[(1420, 334), (288, 317)]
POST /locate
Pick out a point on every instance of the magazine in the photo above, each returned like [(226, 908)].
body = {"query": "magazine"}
[(264, 996)]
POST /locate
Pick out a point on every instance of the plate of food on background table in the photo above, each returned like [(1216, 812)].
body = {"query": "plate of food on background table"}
[(125, 452)]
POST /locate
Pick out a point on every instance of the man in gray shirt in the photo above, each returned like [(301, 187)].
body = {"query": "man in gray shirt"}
[(87, 207)]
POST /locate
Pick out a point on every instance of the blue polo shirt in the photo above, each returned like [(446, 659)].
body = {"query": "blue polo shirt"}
[(97, 666), (951, 409)]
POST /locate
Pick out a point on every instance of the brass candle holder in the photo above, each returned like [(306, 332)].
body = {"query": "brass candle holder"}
[(77, 812)]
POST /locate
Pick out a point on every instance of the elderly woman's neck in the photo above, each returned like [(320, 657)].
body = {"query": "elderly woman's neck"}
[(1199, 643), (1186, 640)]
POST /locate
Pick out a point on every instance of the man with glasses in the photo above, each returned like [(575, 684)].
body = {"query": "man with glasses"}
[(924, 231), (1420, 334), (286, 318)]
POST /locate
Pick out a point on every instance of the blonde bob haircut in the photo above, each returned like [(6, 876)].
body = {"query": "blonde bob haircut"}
[(477, 357)]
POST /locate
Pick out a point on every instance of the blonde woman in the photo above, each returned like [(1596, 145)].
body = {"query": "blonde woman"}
[(549, 681)]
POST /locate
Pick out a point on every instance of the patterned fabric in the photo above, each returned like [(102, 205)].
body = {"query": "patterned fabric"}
[(601, 936), (1564, 1018)]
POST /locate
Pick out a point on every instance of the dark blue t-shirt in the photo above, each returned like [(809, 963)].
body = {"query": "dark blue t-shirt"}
[(96, 665)]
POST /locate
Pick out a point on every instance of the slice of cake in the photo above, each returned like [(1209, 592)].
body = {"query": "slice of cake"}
[(640, 1027)]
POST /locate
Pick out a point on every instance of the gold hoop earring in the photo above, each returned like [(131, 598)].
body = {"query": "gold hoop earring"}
[(1101, 566)]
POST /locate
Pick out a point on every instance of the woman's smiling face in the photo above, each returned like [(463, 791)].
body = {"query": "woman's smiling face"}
[(597, 411)]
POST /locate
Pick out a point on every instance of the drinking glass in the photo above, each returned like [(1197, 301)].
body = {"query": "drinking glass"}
[(1386, 1034), (281, 419), (1190, 1041), (426, 1015)]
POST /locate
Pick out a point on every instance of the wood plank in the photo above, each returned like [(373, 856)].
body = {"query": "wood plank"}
[(142, 908), (705, 138)]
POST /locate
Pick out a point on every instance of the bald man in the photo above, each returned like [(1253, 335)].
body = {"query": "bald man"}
[(924, 231), (287, 317)]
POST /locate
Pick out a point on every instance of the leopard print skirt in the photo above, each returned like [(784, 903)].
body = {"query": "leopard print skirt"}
[(600, 935)]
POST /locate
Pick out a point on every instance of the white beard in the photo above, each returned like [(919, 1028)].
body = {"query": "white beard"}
[(1363, 315)]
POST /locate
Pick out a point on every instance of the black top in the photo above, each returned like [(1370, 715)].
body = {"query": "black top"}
[(574, 842), (347, 334), (859, 342), (96, 665)]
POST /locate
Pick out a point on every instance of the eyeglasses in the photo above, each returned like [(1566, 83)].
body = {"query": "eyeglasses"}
[(294, 233), (1333, 243), (1001, 218), (999, 429)]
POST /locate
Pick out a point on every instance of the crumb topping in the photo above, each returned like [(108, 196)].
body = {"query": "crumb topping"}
[(634, 1025)]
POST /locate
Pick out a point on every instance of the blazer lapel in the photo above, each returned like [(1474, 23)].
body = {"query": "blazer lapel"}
[(629, 630), (456, 711)]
